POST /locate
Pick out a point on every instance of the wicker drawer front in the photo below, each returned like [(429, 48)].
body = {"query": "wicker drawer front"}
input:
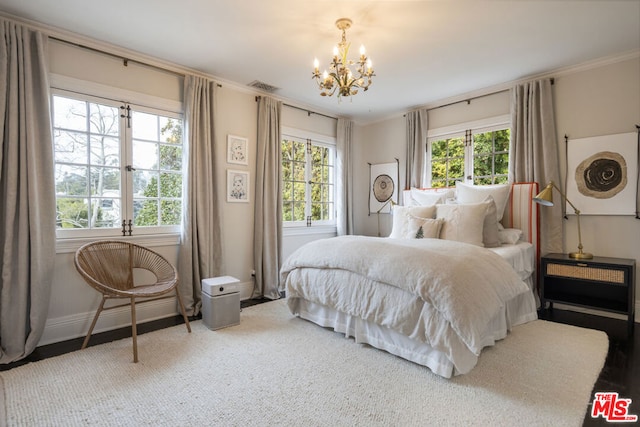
[(587, 273)]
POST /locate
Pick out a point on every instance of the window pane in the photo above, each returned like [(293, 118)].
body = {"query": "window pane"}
[(69, 114), (299, 151), (145, 126), (456, 147), (145, 155), (104, 119), (170, 130), (71, 212), (299, 191), (299, 171), (145, 183), (170, 212), (456, 168), (483, 166), (107, 213), (105, 151), (502, 164), (71, 180), (483, 143), (502, 138), (145, 212), (299, 211), (70, 147), (171, 185), (105, 182), (170, 158)]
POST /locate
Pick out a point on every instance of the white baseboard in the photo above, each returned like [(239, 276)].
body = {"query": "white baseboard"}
[(77, 325), (599, 312)]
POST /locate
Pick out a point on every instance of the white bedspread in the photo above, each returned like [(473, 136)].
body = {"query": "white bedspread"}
[(439, 292)]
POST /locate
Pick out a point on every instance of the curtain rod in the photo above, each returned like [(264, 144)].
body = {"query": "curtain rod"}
[(125, 60), (468, 100), (309, 112)]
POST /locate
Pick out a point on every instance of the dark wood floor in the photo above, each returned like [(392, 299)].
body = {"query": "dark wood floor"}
[(619, 374)]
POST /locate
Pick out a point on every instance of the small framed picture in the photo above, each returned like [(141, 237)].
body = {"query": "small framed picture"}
[(237, 150), (237, 186)]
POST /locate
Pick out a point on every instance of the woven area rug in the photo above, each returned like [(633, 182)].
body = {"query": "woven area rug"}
[(275, 369)]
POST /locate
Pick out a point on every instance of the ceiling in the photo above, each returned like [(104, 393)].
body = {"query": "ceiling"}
[(422, 51)]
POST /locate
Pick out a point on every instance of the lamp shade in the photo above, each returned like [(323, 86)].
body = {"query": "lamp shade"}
[(545, 197)]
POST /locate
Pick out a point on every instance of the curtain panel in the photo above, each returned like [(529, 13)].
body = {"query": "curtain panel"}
[(534, 152), (200, 254), (267, 249), (344, 174), (27, 211), (416, 123)]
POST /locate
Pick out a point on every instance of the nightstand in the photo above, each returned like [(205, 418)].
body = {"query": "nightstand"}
[(600, 283)]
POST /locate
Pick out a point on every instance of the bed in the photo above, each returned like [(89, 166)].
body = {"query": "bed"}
[(455, 275)]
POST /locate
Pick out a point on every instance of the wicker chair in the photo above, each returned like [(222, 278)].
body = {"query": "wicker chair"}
[(108, 266)]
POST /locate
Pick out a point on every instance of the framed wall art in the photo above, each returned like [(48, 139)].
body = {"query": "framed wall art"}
[(602, 174), (237, 150), (237, 186), (383, 187)]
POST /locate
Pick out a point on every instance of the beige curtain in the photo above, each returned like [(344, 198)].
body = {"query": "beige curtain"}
[(267, 250), (200, 247), (344, 173), (416, 122), (27, 210), (534, 152)]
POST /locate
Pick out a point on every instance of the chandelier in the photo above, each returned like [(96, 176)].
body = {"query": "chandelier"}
[(340, 78)]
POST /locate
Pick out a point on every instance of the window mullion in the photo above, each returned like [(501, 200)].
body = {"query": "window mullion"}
[(468, 156), (126, 153), (307, 177)]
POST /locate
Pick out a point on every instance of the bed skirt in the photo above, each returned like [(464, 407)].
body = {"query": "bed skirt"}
[(516, 312)]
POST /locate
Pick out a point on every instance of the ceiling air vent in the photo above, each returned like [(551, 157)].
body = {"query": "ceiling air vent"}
[(263, 86)]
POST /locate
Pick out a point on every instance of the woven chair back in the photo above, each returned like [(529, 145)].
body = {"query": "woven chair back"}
[(108, 266)]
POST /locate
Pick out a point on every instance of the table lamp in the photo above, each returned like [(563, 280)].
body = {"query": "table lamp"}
[(545, 198)]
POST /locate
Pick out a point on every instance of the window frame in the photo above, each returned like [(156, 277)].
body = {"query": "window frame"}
[(302, 227), (459, 130), (103, 94)]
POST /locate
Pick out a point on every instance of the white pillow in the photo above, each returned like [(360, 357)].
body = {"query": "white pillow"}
[(509, 236), (490, 233), (463, 223), (477, 193), (423, 228), (401, 215), (431, 196)]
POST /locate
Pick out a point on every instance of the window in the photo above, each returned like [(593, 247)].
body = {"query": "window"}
[(308, 175), (115, 163), (480, 156)]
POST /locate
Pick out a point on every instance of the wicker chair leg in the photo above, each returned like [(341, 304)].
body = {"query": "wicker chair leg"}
[(93, 324), (134, 330), (183, 311)]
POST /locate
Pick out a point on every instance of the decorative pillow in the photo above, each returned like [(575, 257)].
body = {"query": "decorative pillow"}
[(423, 228), (463, 223), (467, 193), (509, 236), (490, 236), (431, 196), (401, 218)]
